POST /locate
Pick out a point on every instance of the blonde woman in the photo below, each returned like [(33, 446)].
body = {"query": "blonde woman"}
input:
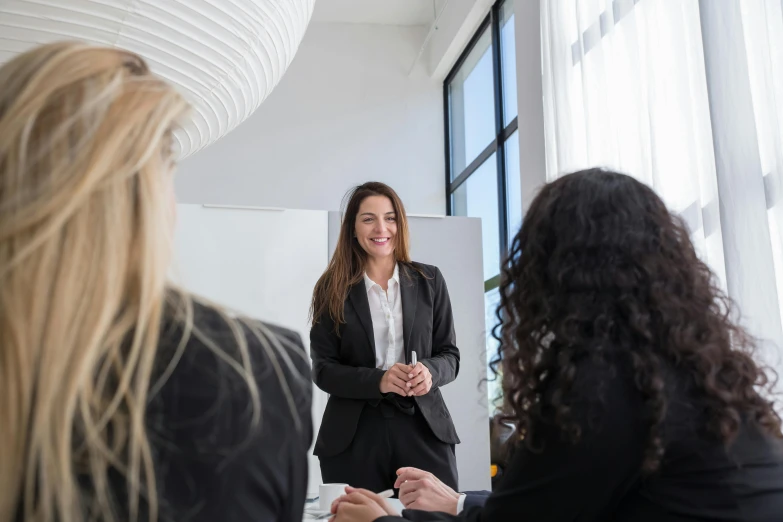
[(119, 398)]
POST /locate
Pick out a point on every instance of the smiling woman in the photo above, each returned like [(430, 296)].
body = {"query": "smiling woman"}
[(372, 310), (376, 227)]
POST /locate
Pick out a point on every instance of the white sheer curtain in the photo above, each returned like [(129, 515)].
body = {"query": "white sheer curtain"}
[(625, 88), (762, 23), (627, 85), (762, 43)]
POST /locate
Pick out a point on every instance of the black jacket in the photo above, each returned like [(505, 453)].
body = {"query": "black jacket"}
[(211, 465), (475, 499), (344, 365), (600, 480)]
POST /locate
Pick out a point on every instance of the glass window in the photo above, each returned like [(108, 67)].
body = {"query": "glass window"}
[(508, 61), (482, 126), (478, 197), (513, 186), (472, 106)]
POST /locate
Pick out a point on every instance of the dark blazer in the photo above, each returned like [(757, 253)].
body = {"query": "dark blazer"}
[(599, 479), (211, 464), (344, 364), (475, 499)]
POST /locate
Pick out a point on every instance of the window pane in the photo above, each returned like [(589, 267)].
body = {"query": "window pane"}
[(494, 389), (478, 197), (509, 61), (513, 186), (471, 106)]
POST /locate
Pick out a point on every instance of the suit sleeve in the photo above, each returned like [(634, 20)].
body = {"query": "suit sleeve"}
[(302, 388), (274, 483), (444, 363), (217, 464), (475, 499), (472, 499), (333, 377)]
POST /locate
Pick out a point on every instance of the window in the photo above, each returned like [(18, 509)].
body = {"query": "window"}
[(482, 151)]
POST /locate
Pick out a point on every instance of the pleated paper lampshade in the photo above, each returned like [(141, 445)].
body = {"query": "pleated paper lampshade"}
[(226, 56)]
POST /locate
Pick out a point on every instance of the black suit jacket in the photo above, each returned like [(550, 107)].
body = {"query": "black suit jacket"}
[(344, 364), (599, 479), (211, 464), (475, 499)]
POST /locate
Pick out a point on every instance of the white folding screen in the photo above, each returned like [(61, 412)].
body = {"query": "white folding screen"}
[(453, 244), (261, 263)]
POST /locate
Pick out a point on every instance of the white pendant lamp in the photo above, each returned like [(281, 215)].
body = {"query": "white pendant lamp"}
[(225, 56)]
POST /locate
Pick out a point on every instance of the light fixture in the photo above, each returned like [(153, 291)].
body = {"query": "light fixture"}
[(226, 56)]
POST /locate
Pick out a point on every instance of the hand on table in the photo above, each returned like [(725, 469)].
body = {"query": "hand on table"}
[(360, 505), (423, 491)]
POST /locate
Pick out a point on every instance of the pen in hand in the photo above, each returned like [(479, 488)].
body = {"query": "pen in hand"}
[(413, 365)]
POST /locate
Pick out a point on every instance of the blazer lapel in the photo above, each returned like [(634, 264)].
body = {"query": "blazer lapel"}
[(409, 286), (358, 297)]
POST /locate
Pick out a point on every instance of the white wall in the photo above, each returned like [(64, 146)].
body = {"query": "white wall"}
[(347, 111), (241, 259), (459, 20)]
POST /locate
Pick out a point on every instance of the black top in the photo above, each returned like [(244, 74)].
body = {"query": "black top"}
[(599, 478), (344, 365), (210, 464)]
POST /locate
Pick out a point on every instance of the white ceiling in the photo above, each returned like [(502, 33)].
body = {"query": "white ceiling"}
[(385, 12)]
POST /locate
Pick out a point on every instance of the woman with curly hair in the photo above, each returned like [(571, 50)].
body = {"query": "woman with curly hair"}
[(635, 396)]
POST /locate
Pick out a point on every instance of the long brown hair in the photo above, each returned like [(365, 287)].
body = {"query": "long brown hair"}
[(346, 268), (601, 267)]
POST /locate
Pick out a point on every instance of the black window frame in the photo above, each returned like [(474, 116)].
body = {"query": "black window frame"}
[(502, 132)]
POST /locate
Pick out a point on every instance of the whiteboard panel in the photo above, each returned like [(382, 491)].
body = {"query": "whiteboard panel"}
[(261, 263)]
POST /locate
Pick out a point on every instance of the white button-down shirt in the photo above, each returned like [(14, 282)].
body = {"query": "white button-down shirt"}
[(386, 313)]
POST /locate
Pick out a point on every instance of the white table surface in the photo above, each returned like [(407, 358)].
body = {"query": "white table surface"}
[(312, 509)]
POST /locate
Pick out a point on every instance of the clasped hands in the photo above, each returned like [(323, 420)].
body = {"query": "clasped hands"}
[(407, 380)]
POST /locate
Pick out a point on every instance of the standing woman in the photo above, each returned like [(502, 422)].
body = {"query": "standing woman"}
[(372, 309)]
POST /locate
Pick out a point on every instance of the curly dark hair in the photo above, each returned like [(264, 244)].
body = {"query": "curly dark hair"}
[(599, 263)]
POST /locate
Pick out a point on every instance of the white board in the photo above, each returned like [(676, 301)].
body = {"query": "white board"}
[(261, 263)]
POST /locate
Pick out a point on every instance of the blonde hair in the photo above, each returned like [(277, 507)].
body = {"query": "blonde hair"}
[(85, 225)]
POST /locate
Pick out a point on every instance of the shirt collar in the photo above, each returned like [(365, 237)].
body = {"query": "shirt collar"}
[(369, 283)]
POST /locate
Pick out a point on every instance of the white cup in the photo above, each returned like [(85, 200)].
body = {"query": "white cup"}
[(328, 493)]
